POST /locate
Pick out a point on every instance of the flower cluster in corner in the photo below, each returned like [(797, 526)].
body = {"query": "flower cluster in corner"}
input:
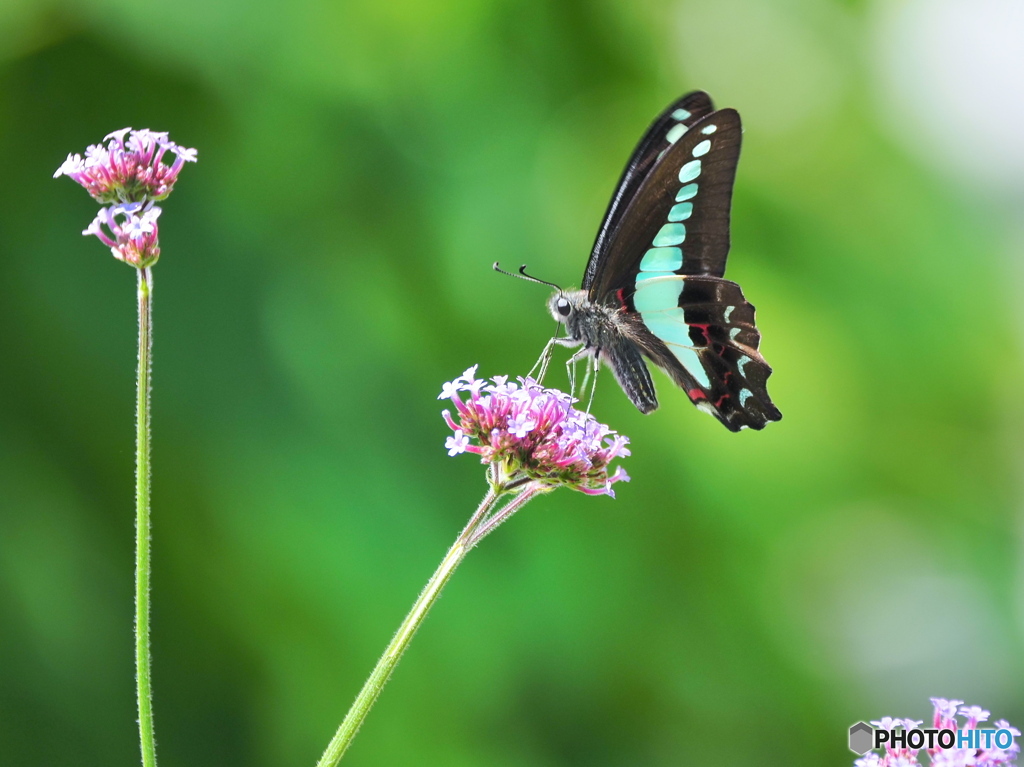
[(128, 169), (533, 433), (945, 718), (128, 175)]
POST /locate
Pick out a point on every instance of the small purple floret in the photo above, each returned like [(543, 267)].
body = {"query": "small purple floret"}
[(449, 389), (532, 432), (457, 443), (521, 425), (974, 714)]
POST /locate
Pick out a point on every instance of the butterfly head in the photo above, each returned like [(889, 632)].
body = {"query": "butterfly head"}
[(565, 305)]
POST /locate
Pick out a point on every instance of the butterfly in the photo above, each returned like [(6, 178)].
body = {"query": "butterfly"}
[(654, 288)]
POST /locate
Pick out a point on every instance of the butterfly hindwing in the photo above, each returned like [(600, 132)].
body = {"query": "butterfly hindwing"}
[(701, 331), (665, 131)]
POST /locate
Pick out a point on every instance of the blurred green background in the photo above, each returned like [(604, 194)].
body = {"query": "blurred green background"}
[(326, 265)]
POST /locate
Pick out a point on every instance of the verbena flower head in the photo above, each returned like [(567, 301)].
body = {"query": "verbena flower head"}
[(945, 718), (129, 168), (133, 232), (531, 432)]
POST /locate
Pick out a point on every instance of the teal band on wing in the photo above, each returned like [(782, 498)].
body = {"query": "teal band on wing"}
[(681, 211), (662, 260), (670, 234), (691, 361), (688, 192), (702, 148), (669, 326), (689, 171), (657, 291), (681, 114), (675, 133), (707, 130)]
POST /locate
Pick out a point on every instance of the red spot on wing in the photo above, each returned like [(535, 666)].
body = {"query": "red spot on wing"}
[(622, 298), (704, 330), (696, 394)]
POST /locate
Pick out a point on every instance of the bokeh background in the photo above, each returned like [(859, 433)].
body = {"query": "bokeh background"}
[(326, 265)]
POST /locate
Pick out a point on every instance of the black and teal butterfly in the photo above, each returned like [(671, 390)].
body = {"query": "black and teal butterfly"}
[(653, 286)]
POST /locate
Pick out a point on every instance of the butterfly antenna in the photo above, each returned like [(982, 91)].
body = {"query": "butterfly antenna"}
[(523, 275)]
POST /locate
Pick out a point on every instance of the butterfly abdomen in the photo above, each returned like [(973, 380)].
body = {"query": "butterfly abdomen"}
[(627, 363)]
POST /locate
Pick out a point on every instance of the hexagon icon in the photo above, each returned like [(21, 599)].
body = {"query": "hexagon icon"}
[(861, 738)]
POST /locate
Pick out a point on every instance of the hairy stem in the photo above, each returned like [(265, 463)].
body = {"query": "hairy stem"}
[(506, 511), (142, 523), (380, 674)]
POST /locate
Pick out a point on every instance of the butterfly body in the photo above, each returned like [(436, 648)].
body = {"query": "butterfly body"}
[(610, 335), (654, 286)]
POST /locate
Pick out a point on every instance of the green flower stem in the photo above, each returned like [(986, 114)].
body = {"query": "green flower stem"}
[(488, 525), (379, 677), (142, 523)]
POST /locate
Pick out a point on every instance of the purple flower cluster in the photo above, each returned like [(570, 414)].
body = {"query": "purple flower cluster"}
[(132, 239), (128, 175), (533, 433), (945, 718), (128, 170)]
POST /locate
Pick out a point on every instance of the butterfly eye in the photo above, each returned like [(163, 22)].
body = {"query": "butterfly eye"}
[(563, 307)]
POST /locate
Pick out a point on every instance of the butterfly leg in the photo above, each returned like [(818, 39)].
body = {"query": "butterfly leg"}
[(586, 379), (570, 369), (590, 377), (543, 361), (593, 368), (545, 357)]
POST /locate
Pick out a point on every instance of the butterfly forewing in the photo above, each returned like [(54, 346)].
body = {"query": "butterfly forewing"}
[(664, 132), (678, 221)]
